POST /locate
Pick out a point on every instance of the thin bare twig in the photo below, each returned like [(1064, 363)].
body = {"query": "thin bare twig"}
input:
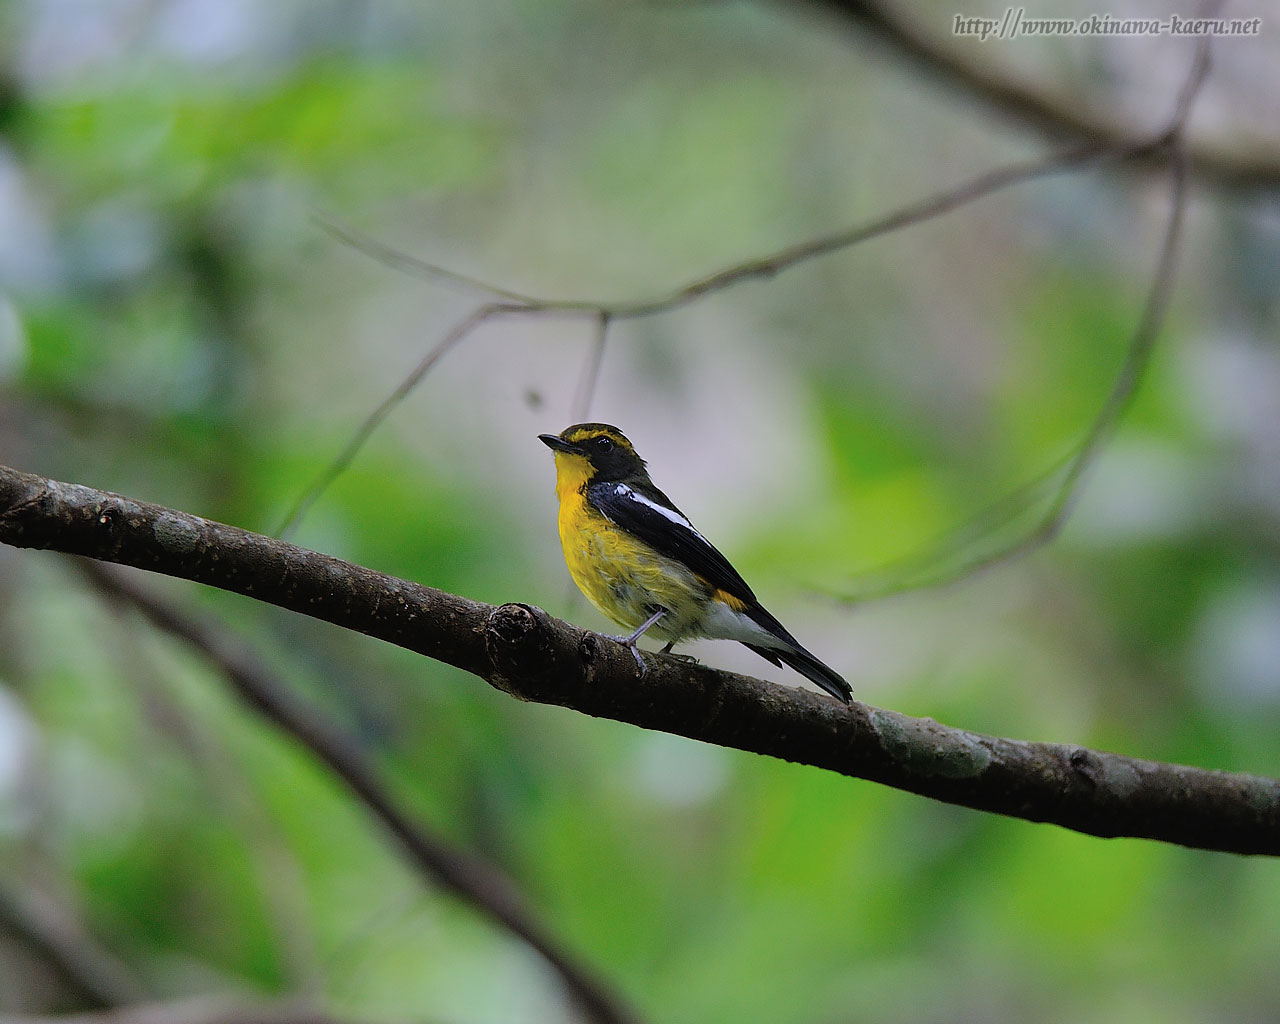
[(908, 216), (508, 302), (590, 376), (473, 880), (879, 583), (770, 265), (505, 300), (335, 469), (933, 565), (399, 260)]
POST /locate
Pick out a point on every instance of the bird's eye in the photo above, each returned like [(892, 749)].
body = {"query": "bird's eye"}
[(604, 444)]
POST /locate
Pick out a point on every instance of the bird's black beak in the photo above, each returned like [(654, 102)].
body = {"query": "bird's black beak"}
[(557, 444)]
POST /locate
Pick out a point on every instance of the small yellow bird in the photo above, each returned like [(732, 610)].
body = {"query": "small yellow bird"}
[(640, 561)]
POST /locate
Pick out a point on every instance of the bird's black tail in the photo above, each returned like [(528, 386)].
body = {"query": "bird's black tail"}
[(796, 657)]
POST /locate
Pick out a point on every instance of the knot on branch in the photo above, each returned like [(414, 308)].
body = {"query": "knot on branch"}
[(589, 648), (1086, 766), (522, 649)]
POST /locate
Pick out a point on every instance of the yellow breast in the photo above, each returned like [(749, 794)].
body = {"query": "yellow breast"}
[(623, 577)]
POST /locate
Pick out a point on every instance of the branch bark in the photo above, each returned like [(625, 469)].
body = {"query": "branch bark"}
[(525, 652)]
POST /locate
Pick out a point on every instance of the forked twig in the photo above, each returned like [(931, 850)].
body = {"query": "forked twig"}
[(507, 302), (1080, 459), (1072, 468)]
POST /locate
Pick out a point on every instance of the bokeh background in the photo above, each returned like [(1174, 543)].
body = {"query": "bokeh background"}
[(176, 325)]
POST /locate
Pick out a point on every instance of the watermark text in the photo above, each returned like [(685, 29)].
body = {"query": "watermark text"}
[(1015, 23)]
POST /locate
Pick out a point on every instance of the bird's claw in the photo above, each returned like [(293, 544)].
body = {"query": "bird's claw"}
[(688, 659), (631, 645)]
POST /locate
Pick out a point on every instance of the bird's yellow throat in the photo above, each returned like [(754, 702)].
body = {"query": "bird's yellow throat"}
[(572, 474)]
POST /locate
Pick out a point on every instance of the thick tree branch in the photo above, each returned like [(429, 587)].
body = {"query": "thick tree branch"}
[(528, 654), (1028, 104)]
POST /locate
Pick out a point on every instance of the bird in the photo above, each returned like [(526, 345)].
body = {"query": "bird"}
[(640, 561)]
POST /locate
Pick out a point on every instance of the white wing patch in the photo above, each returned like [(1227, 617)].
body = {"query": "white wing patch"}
[(623, 491), (717, 620)]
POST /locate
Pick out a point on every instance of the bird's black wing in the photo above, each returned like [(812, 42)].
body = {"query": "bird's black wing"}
[(648, 514)]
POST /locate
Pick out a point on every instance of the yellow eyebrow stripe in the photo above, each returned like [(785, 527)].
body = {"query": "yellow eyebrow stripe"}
[(593, 430)]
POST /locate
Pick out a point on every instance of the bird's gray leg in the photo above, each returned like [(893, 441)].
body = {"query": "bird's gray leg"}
[(688, 659), (629, 642)]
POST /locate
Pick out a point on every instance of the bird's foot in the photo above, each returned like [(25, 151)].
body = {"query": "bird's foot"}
[(688, 659), (630, 641), (631, 644)]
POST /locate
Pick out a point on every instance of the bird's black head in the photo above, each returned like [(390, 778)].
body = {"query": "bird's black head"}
[(596, 451)]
